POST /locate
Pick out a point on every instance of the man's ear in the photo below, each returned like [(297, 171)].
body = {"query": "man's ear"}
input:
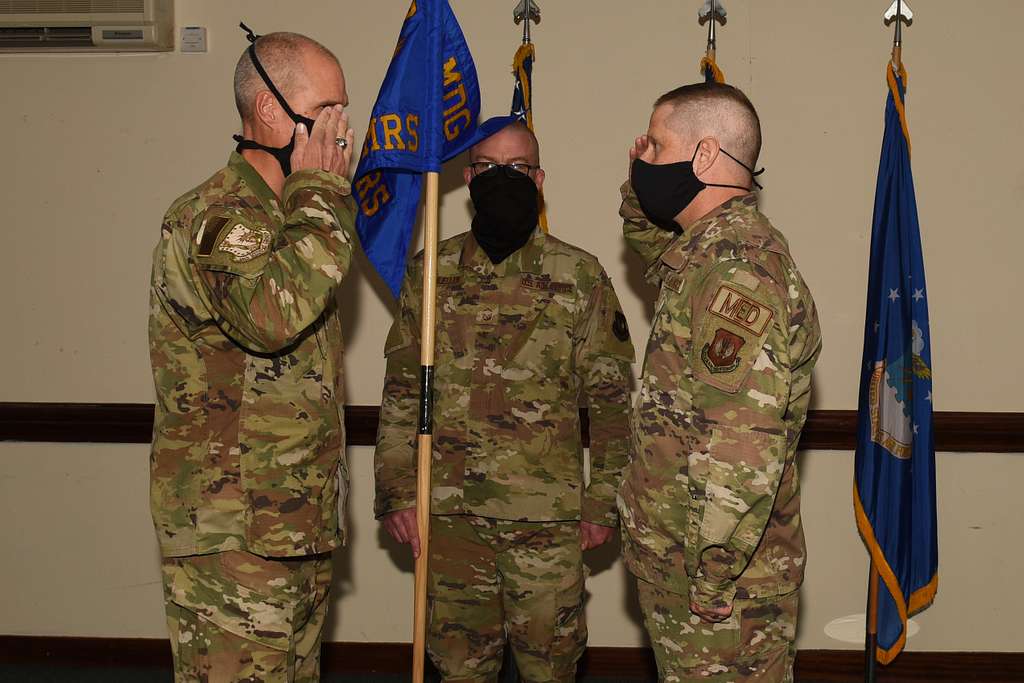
[(467, 174), (706, 154), (538, 179), (266, 110)]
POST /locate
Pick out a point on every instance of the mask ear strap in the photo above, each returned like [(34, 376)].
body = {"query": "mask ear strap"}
[(753, 173), (249, 33), (753, 178), (735, 187), (252, 37)]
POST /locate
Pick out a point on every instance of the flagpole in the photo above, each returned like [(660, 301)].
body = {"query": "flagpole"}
[(871, 639), (425, 437)]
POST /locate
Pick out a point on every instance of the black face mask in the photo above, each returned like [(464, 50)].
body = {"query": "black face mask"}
[(282, 154), (664, 190), (506, 211)]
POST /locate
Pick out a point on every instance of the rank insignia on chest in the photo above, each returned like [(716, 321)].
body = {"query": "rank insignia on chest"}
[(722, 354), (245, 243)]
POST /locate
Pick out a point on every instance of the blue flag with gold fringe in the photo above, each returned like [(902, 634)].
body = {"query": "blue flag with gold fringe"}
[(426, 113), (894, 475), (522, 103), (522, 95)]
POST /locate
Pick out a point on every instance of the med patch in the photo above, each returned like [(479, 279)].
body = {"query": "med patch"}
[(730, 334), (739, 309)]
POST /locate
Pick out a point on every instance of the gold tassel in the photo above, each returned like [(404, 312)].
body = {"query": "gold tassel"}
[(708, 62)]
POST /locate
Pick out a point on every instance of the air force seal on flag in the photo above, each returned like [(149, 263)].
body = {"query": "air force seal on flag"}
[(889, 397)]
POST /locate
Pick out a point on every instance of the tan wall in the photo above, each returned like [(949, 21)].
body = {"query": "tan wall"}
[(97, 146)]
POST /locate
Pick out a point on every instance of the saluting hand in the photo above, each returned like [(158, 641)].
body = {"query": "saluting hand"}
[(642, 149), (321, 150)]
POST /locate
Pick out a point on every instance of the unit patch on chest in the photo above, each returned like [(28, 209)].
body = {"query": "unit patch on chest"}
[(741, 310)]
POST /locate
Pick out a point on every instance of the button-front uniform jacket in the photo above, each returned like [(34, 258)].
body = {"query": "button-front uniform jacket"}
[(520, 347), (246, 349), (710, 505)]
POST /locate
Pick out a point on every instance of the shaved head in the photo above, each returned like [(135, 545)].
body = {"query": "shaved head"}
[(516, 138), (284, 57), (513, 144), (715, 110)]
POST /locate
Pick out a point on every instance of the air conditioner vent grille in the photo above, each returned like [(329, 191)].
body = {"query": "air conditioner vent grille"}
[(71, 6), (40, 37)]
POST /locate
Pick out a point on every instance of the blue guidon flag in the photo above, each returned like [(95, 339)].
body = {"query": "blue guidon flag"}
[(894, 476), (426, 113)]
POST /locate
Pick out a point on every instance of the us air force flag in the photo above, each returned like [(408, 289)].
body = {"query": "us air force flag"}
[(894, 487), (426, 113), (522, 95), (522, 103)]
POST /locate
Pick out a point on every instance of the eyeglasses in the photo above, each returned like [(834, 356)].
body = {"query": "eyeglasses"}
[(510, 170)]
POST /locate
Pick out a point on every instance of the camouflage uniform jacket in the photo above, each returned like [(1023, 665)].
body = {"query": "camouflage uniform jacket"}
[(519, 345), (710, 504), (246, 349)]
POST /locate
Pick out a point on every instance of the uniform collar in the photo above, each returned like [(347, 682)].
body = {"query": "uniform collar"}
[(678, 253), (528, 259), (251, 177)]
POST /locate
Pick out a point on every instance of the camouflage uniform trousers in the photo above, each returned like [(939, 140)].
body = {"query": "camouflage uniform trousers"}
[(492, 580), (756, 643), (234, 616)]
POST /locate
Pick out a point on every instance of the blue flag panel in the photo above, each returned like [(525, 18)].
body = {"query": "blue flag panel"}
[(426, 113)]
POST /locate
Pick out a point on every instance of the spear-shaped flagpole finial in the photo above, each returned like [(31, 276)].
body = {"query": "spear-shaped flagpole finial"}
[(899, 13), (526, 11), (712, 13)]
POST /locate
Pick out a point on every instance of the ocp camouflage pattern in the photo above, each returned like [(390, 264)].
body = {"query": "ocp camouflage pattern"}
[(493, 581), (756, 643), (235, 616), (246, 350), (520, 345), (710, 504)]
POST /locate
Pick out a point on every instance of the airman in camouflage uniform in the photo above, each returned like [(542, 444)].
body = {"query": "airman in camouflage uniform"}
[(520, 344), (710, 504), (248, 476)]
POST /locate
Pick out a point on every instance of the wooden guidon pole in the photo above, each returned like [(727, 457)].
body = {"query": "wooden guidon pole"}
[(425, 437)]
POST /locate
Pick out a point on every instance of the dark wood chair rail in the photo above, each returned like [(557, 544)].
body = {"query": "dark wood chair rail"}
[(962, 432)]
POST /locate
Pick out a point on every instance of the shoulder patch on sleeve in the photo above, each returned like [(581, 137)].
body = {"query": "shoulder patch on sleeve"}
[(722, 354), (730, 332), (244, 243), (226, 240), (209, 233), (732, 306)]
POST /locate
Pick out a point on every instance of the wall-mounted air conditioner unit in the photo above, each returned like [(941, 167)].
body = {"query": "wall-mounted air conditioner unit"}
[(86, 25)]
